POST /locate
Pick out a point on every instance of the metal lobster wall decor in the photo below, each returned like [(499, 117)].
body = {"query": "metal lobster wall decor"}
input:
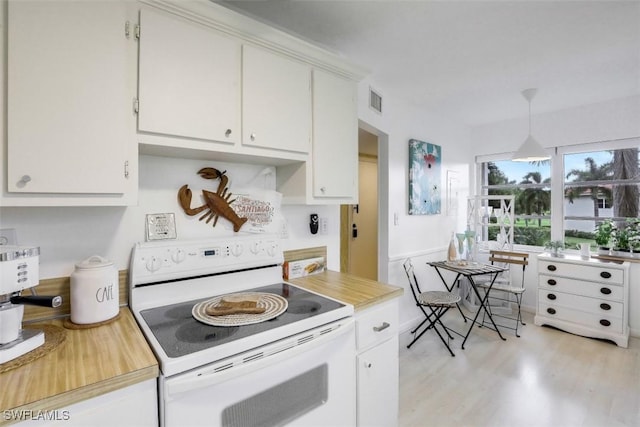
[(216, 204)]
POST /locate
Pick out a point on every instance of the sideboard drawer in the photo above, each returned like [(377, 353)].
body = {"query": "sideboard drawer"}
[(606, 291), (587, 304), (594, 273), (377, 324), (589, 320)]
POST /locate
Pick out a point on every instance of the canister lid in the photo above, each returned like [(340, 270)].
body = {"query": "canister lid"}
[(95, 261), (9, 253)]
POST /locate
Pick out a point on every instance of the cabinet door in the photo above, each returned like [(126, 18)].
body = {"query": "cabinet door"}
[(71, 74), (189, 79), (378, 385), (335, 137), (276, 101)]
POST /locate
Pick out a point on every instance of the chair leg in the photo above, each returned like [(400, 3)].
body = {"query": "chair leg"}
[(434, 318)]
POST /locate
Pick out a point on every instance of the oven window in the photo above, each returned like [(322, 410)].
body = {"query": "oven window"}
[(282, 403)]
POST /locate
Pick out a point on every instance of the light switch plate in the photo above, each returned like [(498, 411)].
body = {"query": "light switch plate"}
[(161, 226)]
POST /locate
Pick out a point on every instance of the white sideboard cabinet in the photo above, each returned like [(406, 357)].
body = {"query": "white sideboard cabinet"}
[(70, 83), (588, 297)]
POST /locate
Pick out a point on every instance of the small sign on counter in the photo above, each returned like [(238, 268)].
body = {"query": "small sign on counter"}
[(302, 268)]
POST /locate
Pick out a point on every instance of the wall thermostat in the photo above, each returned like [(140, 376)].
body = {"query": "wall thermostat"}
[(161, 226)]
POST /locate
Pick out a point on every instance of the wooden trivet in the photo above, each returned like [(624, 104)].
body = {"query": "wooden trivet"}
[(67, 323), (53, 337)]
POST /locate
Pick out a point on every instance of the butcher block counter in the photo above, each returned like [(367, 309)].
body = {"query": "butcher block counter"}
[(88, 363), (360, 292)]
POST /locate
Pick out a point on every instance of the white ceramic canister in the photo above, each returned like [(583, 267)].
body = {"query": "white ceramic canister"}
[(94, 291)]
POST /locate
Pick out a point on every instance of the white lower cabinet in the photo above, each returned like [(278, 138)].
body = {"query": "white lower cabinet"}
[(377, 365), (585, 297), (135, 405)]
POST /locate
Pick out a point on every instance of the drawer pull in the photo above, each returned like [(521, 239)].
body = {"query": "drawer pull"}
[(605, 275), (605, 291), (382, 327), (605, 306), (551, 296), (551, 282), (551, 310), (605, 322), (551, 267)]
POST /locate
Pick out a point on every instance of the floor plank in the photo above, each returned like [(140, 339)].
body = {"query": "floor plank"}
[(545, 378)]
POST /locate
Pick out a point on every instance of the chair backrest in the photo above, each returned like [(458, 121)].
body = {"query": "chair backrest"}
[(506, 258), (413, 281)]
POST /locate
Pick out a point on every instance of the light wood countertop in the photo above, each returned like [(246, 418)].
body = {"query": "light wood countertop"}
[(360, 292), (89, 363)]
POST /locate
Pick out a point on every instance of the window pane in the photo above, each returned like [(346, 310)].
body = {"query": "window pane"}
[(599, 185), (530, 184)]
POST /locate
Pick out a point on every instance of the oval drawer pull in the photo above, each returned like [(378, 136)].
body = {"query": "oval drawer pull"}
[(551, 267), (605, 291), (605, 322), (605, 275), (382, 327), (551, 310), (605, 306), (551, 296), (551, 282)]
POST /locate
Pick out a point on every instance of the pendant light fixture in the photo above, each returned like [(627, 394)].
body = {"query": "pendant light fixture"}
[(530, 150)]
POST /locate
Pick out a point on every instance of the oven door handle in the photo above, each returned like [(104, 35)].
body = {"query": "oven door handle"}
[(297, 344)]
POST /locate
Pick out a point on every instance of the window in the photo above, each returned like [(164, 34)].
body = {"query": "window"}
[(592, 182), (599, 185), (530, 184), (604, 203)]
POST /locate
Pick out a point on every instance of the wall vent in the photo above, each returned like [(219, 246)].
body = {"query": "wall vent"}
[(375, 101)]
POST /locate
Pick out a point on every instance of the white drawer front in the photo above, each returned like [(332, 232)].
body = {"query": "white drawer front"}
[(606, 291), (595, 273), (589, 320), (590, 305), (377, 324)]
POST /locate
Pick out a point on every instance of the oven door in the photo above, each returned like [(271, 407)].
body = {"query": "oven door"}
[(308, 379)]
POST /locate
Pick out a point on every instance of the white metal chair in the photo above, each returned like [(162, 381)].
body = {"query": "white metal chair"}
[(504, 289), (437, 302)]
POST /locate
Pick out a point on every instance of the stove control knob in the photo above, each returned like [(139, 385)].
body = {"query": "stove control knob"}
[(154, 263), (272, 248), (236, 249), (178, 256), (256, 247)]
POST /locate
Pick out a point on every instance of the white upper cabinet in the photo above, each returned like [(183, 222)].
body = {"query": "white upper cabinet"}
[(189, 83), (335, 137), (70, 125), (276, 101)]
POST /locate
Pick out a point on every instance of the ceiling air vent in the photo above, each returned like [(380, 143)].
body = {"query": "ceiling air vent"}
[(375, 101)]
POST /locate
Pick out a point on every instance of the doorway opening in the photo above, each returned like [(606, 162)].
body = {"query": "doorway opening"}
[(359, 224)]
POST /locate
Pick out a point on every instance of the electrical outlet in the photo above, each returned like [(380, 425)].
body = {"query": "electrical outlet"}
[(161, 226), (8, 236)]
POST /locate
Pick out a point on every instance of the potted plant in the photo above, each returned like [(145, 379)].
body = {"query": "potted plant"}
[(621, 242), (554, 247), (633, 225), (604, 235)]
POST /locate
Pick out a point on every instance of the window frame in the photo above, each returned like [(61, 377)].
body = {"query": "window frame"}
[(557, 154)]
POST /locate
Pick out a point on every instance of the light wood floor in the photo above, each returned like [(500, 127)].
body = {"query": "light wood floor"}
[(545, 378)]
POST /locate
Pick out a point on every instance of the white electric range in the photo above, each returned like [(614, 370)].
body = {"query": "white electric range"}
[(295, 368)]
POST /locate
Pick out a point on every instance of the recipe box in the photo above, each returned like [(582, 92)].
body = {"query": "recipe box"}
[(303, 267)]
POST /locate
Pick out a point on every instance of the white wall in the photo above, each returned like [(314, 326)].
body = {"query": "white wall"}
[(423, 237)]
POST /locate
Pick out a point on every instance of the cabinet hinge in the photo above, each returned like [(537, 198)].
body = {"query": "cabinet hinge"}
[(137, 32), (127, 29), (136, 105), (126, 169)]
